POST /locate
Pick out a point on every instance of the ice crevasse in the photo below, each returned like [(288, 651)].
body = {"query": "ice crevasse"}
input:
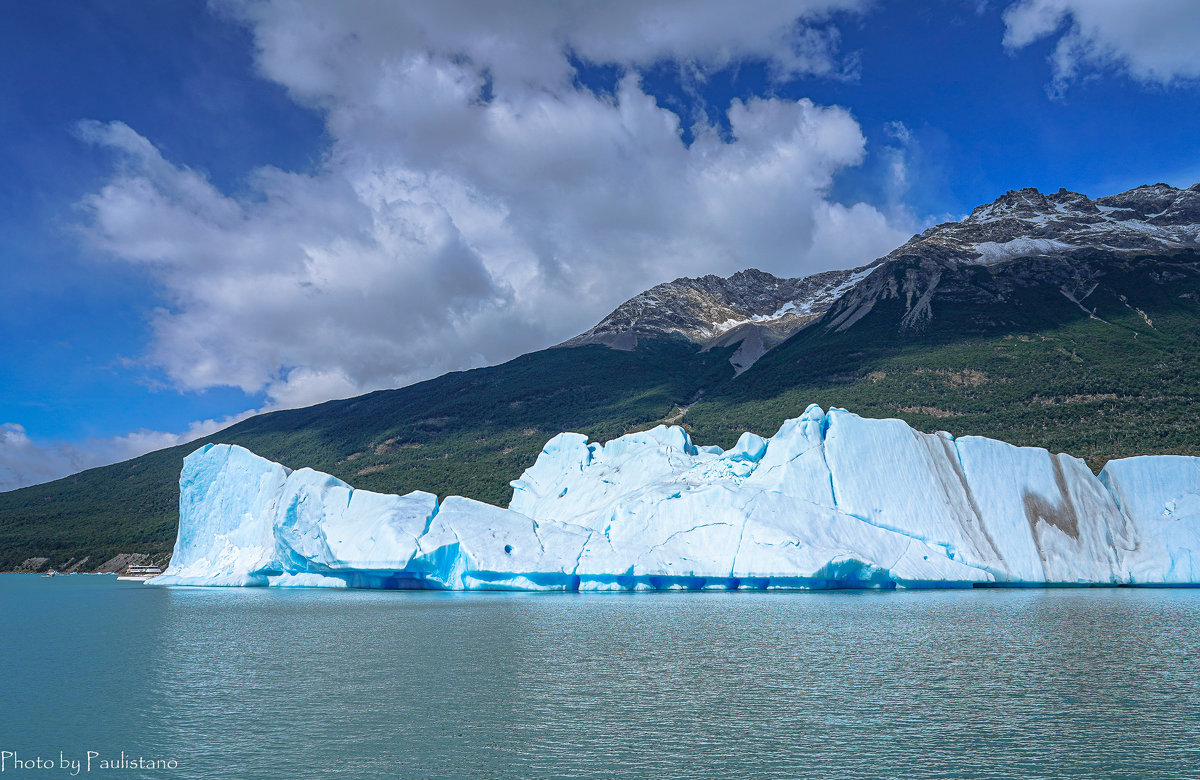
[(832, 500)]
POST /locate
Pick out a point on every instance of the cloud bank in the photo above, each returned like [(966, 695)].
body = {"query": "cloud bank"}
[(26, 462), (1153, 41)]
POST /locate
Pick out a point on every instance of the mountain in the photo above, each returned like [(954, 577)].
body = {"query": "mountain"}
[(1079, 240), (1047, 320), (751, 309)]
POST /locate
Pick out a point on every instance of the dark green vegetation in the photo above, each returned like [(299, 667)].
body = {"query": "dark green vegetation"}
[(1005, 354)]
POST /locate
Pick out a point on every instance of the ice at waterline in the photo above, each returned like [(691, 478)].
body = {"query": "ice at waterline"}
[(830, 501)]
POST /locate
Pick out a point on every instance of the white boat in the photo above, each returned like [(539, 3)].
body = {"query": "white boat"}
[(139, 573)]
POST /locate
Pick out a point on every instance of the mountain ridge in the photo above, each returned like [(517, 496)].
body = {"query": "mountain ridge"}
[(1146, 218), (759, 310), (748, 306)]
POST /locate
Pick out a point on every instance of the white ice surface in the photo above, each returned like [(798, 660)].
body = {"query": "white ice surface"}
[(1161, 497), (831, 500)]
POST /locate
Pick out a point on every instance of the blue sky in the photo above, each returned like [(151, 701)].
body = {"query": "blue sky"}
[(212, 209)]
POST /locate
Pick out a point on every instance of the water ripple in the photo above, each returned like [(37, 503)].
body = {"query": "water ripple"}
[(268, 684)]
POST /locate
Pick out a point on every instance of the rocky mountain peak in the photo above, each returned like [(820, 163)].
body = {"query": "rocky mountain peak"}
[(1063, 240), (1026, 222), (751, 307)]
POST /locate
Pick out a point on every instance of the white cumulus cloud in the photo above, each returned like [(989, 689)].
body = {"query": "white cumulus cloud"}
[(1153, 41)]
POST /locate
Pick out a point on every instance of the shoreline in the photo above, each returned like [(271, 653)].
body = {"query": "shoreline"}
[(679, 588), (113, 565)]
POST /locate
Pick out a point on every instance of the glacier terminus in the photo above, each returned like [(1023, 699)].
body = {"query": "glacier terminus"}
[(832, 500)]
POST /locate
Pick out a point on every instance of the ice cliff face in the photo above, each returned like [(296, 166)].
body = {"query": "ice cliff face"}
[(831, 500)]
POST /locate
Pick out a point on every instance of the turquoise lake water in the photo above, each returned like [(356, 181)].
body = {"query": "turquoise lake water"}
[(248, 683)]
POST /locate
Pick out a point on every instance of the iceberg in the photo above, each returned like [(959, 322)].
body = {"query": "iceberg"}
[(832, 500)]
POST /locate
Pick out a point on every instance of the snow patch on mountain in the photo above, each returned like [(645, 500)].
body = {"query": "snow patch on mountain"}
[(993, 252)]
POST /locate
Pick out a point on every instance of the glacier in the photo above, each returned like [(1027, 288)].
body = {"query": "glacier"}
[(832, 500)]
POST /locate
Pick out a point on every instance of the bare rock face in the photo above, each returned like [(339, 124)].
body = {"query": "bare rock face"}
[(1022, 238), (31, 565), (752, 307), (120, 563)]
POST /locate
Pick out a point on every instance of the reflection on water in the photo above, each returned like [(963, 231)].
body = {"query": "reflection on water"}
[(358, 684)]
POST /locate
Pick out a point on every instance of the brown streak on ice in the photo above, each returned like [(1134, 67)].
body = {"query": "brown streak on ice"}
[(1061, 514)]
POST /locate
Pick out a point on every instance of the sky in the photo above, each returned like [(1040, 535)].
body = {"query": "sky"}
[(210, 210)]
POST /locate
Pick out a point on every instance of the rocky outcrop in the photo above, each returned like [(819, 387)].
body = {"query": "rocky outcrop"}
[(752, 308), (31, 566)]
